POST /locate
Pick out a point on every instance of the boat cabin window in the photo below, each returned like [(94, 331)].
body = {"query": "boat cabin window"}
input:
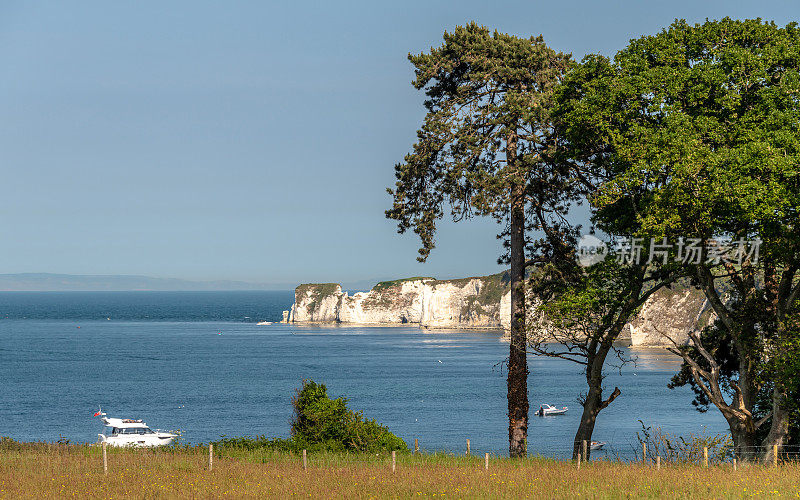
[(115, 431), (137, 430)]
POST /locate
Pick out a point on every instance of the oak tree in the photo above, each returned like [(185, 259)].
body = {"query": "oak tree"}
[(701, 123)]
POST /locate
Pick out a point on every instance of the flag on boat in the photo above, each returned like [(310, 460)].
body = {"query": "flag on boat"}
[(96, 414)]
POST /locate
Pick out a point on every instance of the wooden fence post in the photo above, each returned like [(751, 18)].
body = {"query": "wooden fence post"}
[(416, 446), (468, 447), (585, 447), (105, 459), (579, 461), (775, 454), (486, 461), (705, 456), (394, 456), (210, 456), (305, 461), (644, 453), (658, 462), (734, 465)]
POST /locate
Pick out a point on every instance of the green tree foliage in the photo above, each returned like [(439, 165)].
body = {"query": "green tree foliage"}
[(586, 310), (787, 363), (320, 423), (700, 127), (485, 148)]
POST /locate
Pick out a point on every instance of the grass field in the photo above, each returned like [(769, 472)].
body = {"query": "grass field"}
[(42, 470)]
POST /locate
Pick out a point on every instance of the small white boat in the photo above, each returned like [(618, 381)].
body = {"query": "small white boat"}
[(129, 432), (597, 445), (547, 409), (261, 323)]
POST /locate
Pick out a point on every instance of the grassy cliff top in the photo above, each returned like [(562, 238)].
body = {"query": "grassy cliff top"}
[(501, 279), (318, 292), (321, 288), (490, 293), (388, 284)]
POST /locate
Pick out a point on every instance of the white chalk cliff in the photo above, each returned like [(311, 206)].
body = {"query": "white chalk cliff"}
[(465, 303), (478, 303)]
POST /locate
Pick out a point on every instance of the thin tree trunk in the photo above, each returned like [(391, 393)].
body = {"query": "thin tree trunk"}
[(594, 403), (739, 414), (517, 360), (591, 408)]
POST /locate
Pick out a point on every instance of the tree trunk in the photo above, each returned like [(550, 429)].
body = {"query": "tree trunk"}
[(747, 378), (591, 408), (517, 360), (744, 442), (594, 403), (739, 414), (744, 433), (779, 430)]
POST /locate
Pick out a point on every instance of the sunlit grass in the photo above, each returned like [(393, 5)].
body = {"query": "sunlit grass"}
[(42, 470)]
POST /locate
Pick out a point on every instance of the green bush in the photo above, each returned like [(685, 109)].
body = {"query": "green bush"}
[(679, 449), (320, 423)]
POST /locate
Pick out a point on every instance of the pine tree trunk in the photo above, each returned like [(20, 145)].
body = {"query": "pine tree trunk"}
[(517, 361)]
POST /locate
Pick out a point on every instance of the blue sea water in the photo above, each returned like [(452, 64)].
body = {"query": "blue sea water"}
[(196, 361)]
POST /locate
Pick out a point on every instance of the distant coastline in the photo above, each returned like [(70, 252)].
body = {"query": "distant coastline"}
[(55, 282), (52, 282)]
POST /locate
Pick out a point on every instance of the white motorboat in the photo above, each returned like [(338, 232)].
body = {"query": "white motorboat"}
[(129, 432), (547, 409), (262, 323), (597, 445)]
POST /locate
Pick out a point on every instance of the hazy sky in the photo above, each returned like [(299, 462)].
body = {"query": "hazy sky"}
[(247, 140)]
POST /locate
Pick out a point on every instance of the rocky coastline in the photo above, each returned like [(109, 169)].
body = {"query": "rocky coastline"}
[(481, 302)]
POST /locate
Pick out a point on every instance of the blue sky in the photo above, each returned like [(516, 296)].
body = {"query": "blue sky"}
[(247, 140)]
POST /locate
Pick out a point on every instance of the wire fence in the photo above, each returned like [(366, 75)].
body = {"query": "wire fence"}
[(631, 452), (473, 454)]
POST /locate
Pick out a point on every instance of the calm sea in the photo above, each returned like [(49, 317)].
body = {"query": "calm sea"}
[(197, 361)]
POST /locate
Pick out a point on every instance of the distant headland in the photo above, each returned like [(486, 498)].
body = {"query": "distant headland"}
[(481, 302)]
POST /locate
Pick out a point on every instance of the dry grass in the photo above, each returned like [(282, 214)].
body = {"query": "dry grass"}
[(77, 471)]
